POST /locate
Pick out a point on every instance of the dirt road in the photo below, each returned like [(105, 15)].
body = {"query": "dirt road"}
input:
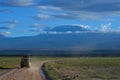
[(32, 73)]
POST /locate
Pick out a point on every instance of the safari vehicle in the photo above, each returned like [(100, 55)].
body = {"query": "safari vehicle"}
[(25, 61)]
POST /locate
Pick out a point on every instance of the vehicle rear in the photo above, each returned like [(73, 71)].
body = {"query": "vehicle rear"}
[(25, 61)]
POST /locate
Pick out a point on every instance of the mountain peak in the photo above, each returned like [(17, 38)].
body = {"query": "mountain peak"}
[(65, 28)]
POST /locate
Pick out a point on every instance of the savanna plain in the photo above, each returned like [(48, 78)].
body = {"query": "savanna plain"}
[(61, 68)]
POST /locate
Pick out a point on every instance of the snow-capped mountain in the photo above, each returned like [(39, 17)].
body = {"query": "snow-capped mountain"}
[(74, 41), (66, 28)]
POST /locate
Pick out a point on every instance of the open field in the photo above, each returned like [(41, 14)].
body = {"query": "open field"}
[(9, 62), (62, 68), (84, 69)]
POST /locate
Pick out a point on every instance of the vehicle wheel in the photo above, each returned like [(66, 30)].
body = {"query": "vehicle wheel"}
[(21, 65)]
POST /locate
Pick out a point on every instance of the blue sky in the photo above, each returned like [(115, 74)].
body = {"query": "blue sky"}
[(29, 17)]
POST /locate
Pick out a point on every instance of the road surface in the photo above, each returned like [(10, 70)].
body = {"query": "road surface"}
[(32, 73)]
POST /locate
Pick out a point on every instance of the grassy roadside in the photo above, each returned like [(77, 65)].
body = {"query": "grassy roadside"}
[(9, 62), (84, 69), (13, 62)]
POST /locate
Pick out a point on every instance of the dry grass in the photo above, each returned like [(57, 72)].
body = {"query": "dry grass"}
[(84, 69)]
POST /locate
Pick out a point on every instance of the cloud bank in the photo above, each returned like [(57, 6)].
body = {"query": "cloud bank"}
[(7, 27), (9, 21), (72, 9), (16, 2), (84, 9), (5, 33)]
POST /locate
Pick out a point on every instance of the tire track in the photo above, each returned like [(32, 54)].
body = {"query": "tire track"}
[(7, 73), (32, 73)]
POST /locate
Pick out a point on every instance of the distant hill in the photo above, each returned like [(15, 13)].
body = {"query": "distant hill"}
[(73, 41), (2, 36), (65, 53)]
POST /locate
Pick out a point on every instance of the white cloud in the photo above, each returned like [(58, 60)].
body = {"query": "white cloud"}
[(80, 15), (39, 25), (83, 26), (9, 21), (48, 8), (105, 27), (76, 9), (8, 27), (41, 17), (85, 9), (51, 32), (5, 33), (17, 2)]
